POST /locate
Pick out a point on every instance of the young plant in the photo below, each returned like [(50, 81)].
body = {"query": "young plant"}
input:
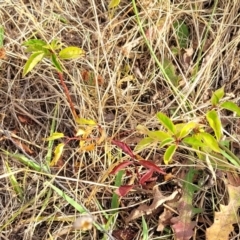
[(193, 133), (54, 52)]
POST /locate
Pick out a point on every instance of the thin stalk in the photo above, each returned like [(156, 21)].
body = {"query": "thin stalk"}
[(67, 95)]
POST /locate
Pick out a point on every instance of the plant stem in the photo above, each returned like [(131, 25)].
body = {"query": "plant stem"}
[(67, 95)]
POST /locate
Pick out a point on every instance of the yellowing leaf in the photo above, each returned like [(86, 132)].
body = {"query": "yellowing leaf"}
[(215, 123), (142, 129), (84, 121), (57, 154), (169, 153), (54, 136), (87, 148), (217, 96), (228, 215), (113, 3), (71, 53), (80, 132), (33, 60)]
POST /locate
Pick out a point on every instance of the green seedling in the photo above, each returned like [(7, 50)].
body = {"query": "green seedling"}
[(193, 133), (54, 52)]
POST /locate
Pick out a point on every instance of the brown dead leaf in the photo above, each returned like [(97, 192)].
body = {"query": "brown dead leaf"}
[(22, 146), (158, 200), (182, 230), (233, 179), (2, 53), (164, 219), (24, 119), (224, 220)]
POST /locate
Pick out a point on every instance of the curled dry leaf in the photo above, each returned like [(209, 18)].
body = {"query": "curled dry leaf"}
[(158, 200), (164, 219)]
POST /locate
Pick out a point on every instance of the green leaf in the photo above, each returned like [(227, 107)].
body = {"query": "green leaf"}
[(186, 129), (145, 142), (170, 71), (35, 45), (54, 136), (115, 198), (193, 141), (71, 53), (33, 60), (215, 123), (182, 33), (84, 121), (210, 141), (113, 4), (231, 107), (169, 153), (145, 229), (158, 135), (1, 36), (166, 122), (56, 63), (217, 96)]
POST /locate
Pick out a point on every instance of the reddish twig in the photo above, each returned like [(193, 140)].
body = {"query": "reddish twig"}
[(67, 95)]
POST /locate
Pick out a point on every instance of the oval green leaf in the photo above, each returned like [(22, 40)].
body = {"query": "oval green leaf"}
[(231, 107), (145, 142), (217, 96), (166, 122), (215, 123), (193, 141), (34, 59), (71, 53), (169, 154), (158, 135)]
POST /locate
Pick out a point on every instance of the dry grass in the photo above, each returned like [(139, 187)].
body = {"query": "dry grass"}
[(134, 90)]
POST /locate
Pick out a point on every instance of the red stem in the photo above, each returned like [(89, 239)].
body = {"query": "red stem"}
[(67, 95)]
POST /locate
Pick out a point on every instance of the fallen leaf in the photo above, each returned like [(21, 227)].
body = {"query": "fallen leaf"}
[(164, 219), (22, 146), (158, 200), (228, 215), (182, 230), (123, 190), (23, 119), (183, 225)]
